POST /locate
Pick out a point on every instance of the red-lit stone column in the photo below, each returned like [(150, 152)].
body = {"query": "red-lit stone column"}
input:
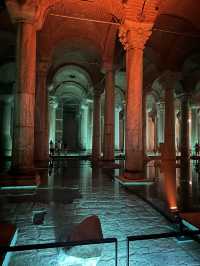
[(168, 82), (168, 153), (96, 128), (133, 36), (184, 138), (41, 117), (109, 115), (24, 106)]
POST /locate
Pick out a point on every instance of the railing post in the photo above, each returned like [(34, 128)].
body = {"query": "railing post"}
[(127, 251), (116, 253)]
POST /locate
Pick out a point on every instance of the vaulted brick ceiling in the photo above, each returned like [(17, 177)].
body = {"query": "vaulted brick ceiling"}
[(67, 40)]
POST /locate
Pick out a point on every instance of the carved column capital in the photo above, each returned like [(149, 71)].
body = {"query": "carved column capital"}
[(107, 67), (53, 102), (43, 67), (134, 35), (29, 12)]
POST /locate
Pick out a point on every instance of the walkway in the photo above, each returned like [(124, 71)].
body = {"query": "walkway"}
[(90, 192)]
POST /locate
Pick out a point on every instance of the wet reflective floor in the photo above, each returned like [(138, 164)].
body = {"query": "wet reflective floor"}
[(72, 191), (187, 193)]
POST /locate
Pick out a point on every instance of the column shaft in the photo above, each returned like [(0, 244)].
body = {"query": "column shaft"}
[(194, 127), (169, 131), (134, 142), (96, 128), (117, 129), (160, 123), (169, 153), (5, 127), (184, 138), (23, 141), (52, 120), (109, 116), (84, 127), (41, 121), (121, 130)]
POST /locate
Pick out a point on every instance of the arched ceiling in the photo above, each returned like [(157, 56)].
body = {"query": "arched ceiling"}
[(71, 41), (71, 83), (186, 9), (176, 33)]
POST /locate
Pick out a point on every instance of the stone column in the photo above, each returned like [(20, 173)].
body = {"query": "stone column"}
[(168, 152), (144, 127), (109, 115), (90, 125), (41, 117), (117, 128), (84, 127), (52, 119), (194, 126), (198, 125), (121, 130), (177, 131), (133, 36), (96, 127), (24, 106), (155, 133), (5, 126), (78, 123), (160, 121), (184, 138), (169, 129)]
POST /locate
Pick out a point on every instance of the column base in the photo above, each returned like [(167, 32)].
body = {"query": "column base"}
[(15, 171), (108, 164), (20, 178), (133, 178), (44, 164)]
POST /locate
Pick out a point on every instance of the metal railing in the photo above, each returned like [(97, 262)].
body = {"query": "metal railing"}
[(4, 249), (191, 234)]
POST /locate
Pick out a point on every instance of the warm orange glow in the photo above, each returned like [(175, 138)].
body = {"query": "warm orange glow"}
[(169, 168), (173, 208)]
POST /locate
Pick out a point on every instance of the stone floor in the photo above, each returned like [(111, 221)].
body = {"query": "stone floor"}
[(74, 191)]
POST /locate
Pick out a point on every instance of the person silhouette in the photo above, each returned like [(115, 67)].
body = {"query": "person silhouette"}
[(51, 148)]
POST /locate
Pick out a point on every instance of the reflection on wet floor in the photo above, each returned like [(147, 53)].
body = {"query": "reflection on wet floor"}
[(187, 190), (43, 195), (71, 190)]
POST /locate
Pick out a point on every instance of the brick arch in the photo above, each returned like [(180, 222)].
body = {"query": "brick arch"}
[(110, 6)]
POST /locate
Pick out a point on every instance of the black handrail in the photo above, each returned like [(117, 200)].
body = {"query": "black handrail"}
[(62, 244), (159, 236)]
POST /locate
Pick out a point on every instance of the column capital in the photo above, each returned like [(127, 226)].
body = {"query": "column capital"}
[(168, 79), (28, 12), (43, 67), (6, 98), (161, 105), (184, 96), (53, 102), (107, 67), (118, 108), (134, 35), (84, 106), (98, 90), (195, 107)]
